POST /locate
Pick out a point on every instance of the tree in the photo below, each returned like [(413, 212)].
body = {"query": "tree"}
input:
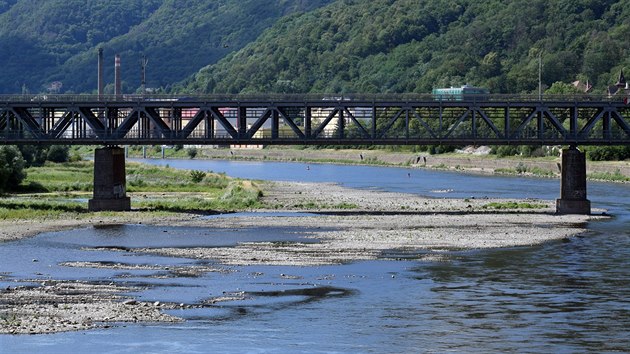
[(58, 153), (11, 168), (561, 88)]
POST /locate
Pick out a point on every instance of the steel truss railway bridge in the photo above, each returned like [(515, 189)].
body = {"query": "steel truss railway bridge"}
[(357, 120)]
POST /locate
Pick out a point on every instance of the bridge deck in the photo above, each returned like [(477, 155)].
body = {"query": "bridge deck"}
[(314, 120)]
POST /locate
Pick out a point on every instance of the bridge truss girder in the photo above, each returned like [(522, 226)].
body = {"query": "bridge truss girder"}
[(310, 122)]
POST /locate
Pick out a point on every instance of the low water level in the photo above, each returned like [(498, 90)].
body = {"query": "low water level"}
[(565, 296)]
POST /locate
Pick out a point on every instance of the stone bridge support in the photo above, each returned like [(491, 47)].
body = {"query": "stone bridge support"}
[(109, 181), (573, 184)]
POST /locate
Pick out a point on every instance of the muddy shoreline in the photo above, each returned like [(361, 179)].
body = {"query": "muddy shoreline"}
[(351, 225)]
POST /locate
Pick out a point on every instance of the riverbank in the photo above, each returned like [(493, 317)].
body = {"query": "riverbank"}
[(464, 161), (343, 225)]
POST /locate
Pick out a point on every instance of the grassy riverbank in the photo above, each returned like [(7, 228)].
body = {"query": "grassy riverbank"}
[(548, 167), (56, 191)]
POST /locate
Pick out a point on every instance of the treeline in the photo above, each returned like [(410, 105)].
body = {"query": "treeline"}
[(387, 46), (14, 160)]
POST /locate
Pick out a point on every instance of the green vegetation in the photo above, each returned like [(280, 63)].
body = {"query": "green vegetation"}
[(607, 153), (522, 168), (387, 46), (336, 46), (59, 189), (238, 195), (148, 178), (607, 176), (57, 40), (197, 176), (54, 177), (11, 168), (513, 205), (39, 207)]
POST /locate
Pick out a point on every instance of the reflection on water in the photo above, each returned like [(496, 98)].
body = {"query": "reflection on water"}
[(562, 294), (565, 296)]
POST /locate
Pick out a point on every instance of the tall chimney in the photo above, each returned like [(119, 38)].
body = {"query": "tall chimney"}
[(101, 83), (117, 83)]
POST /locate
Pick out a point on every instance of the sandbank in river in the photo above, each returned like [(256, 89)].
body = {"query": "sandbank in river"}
[(348, 225)]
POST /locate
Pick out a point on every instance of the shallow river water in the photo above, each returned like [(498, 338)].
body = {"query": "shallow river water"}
[(565, 296)]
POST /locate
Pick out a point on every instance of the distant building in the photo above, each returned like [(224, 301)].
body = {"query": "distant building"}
[(619, 88), (583, 86)]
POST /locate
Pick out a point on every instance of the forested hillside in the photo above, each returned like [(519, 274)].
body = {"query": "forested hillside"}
[(43, 41), (313, 45), (413, 46)]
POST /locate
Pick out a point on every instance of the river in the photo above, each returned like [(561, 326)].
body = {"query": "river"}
[(565, 296)]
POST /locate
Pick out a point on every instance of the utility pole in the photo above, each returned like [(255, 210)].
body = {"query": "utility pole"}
[(143, 63), (540, 75)]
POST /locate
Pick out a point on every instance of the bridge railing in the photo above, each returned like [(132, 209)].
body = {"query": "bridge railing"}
[(367, 98)]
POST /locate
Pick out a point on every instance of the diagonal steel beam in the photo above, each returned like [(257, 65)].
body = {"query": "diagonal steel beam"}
[(291, 124), (224, 122), (193, 123), (524, 124), (555, 122), (126, 125), (23, 115), (490, 123), (424, 124), (153, 115), (456, 125), (4, 119), (620, 121), (323, 125), (366, 134), (93, 121), (392, 122), (259, 123), (591, 123), (62, 124)]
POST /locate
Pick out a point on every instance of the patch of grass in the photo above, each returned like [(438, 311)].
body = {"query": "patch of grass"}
[(60, 177), (239, 195), (524, 169), (58, 187), (345, 206), (41, 208), (147, 178), (607, 176), (513, 205)]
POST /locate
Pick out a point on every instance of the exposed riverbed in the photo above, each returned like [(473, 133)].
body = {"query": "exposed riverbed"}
[(309, 258)]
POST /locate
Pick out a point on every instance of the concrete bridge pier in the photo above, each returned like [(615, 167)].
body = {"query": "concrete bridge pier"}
[(573, 184), (110, 184)]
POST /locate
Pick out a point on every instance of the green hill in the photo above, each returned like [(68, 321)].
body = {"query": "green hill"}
[(313, 46), (43, 41), (413, 46)]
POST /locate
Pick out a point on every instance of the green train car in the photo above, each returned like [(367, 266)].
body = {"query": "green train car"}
[(465, 92)]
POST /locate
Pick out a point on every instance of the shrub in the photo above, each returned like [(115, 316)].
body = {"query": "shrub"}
[(197, 176), (11, 168), (521, 168), (58, 153), (608, 153), (192, 152)]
